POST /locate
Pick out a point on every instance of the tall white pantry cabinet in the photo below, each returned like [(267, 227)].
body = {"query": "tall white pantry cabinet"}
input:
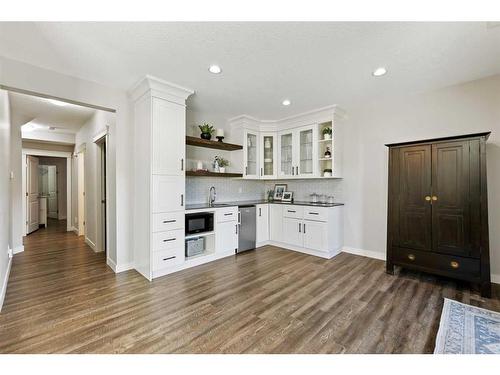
[(159, 181)]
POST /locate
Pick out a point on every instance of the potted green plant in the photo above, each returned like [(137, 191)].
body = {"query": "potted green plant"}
[(223, 163), (206, 131), (327, 133)]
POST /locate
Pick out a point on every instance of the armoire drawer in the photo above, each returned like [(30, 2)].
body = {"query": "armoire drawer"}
[(447, 265), (294, 212), (168, 221), (167, 258), (316, 213), (168, 240)]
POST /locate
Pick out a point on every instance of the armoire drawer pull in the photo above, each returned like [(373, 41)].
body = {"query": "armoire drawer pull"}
[(169, 239), (428, 198), (454, 264), (434, 198), (229, 214), (169, 258), (291, 211), (313, 213), (411, 257), (169, 221)]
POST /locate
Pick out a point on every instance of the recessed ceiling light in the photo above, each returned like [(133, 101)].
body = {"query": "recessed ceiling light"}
[(286, 102), (379, 71), (57, 102), (215, 69)]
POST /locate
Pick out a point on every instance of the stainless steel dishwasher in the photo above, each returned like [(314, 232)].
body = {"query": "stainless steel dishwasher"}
[(248, 228)]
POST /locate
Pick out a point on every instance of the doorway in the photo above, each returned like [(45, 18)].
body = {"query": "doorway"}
[(80, 157), (102, 184)]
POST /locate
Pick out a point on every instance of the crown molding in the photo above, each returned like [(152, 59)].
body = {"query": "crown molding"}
[(160, 88)]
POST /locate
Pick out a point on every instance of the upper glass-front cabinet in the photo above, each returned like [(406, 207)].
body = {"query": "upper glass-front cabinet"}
[(251, 155), (307, 148), (286, 154), (268, 155)]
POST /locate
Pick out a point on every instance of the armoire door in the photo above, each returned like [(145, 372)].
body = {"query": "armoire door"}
[(415, 215), (451, 185)]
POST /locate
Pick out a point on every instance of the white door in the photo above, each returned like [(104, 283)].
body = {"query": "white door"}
[(32, 202), (286, 154), (262, 223), (306, 151), (168, 193), (251, 155), (227, 237), (81, 193), (292, 231), (52, 192), (268, 155), (315, 235), (168, 138)]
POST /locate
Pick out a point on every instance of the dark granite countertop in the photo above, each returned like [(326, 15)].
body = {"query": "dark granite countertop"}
[(201, 206)]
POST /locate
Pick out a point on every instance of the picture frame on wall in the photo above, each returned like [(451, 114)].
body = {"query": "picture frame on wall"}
[(287, 196), (279, 189)]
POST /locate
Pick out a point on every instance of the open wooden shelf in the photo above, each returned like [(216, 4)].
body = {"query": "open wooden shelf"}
[(193, 141), (211, 174)]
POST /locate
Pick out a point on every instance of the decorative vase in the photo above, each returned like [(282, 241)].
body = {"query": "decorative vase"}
[(222, 169), (327, 136), (206, 136)]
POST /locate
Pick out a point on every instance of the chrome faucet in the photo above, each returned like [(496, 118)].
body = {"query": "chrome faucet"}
[(211, 199)]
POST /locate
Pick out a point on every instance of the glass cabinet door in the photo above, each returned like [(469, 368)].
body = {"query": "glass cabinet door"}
[(286, 154), (306, 142), (268, 149), (251, 155)]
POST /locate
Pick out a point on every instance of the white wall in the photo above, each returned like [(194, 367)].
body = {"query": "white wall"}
[(4, 192), (461, 109), (60, 164), (25, 76), (85, 138)]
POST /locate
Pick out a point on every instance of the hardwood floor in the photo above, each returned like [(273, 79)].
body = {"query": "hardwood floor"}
[(62, 298)]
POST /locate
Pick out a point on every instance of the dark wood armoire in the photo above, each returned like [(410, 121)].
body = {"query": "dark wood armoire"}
[(438, 208)]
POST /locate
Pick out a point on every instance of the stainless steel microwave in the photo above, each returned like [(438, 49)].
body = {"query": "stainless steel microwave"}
[(199, 222)]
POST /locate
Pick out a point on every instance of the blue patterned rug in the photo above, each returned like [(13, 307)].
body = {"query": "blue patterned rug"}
[(466, 329)]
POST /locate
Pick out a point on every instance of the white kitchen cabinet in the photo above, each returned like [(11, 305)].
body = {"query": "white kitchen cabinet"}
[(226, 237), (262, 236), (159, 188), (286, 154), (292, 231), (276, 222), (168, 193), (315, 235), (168, 138), (268, 155), (251, 165), (306, 164)]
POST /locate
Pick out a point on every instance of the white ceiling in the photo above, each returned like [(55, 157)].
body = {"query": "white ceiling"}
[(312, 64), (66, 119)]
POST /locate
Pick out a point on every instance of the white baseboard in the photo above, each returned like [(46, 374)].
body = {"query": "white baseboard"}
[(365, 253), (119, 268), (5, 281), (90, 243), (18, 249)]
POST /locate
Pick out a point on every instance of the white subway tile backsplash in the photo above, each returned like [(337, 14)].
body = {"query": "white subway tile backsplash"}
[(238, 189)]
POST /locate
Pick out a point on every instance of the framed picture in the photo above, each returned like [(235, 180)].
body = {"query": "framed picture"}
[(287, 196), (279, 189)]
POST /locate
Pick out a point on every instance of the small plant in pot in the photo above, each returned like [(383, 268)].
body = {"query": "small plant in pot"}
[(327, 133), (223, 163), (206, 131)]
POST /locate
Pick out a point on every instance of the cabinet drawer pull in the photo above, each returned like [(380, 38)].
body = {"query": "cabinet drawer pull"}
[(454, 264), (182, 200), (182, 164), (291, 211), (229, 214), (236, 231), (299, 227), (169, 258), (169, 221), (428, 198), (411, 257), (434, 198), (260, 211), (304, 228), (313, 213), (169, 239)]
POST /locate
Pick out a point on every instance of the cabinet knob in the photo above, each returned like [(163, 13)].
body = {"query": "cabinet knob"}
[(428, 198), (434, 198), (411, 257), (454, 264)]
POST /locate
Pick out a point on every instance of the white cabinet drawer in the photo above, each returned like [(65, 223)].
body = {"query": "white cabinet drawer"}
[(227, 214), (168, 221), (295, 212), (168, 240), (167, 258), (316, 213)]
